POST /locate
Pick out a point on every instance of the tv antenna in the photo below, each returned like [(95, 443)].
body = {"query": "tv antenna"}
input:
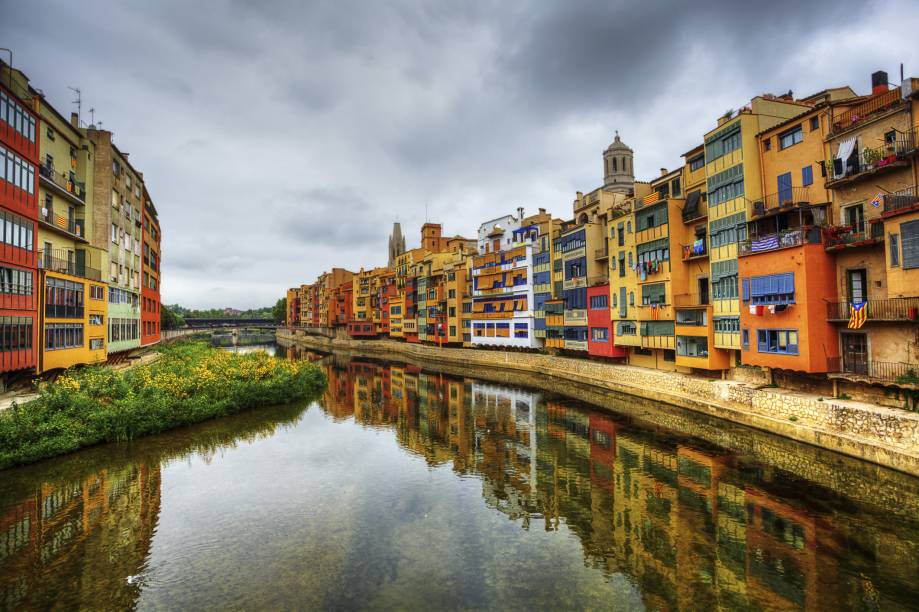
[(78, 101), (92, 115)]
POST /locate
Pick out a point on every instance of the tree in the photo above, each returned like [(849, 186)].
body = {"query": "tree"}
[(169, 319), (279, 312)]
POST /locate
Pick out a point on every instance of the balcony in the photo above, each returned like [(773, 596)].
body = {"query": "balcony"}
[(601, 254), (891, 309), (838, 237), (75, 228), (781, 201), (863, 370), (899, 202), (696, 250), (64, 262), (690, 300), (697, 213), (780, 240), (575, 345), (873, 105), (62, 185), (870, 162), (575, 283)]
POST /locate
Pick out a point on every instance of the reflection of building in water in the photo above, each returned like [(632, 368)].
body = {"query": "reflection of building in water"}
[(688, 525), (54, 540), (506, 446)]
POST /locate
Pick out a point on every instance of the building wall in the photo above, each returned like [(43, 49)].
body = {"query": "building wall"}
[(599, 319), (92, 321), (18, 308), (151, 273)]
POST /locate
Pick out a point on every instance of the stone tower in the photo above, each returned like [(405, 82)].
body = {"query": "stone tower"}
[(396, 243), (618, 173)]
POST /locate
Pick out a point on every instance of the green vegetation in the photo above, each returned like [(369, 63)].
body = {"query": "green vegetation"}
[(191, 382), (221, 313), (169, 319), (279, 312)]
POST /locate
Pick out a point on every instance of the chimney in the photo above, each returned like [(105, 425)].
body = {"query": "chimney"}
[(74, 120), (542, 211), (663, 172), (520, 213), (878, 82), (579, 194)]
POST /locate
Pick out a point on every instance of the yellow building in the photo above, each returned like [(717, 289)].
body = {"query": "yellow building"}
[(72, 333), (733, 183)]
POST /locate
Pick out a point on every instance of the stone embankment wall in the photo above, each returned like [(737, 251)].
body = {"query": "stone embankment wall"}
[(885, 436)]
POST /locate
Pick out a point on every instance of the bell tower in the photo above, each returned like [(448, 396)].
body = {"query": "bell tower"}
[(618, 172)]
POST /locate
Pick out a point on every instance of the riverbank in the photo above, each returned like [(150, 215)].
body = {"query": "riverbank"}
[(190, 382), (884, 436)]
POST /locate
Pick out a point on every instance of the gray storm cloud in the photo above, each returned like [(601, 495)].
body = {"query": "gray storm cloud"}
[(281, 138)]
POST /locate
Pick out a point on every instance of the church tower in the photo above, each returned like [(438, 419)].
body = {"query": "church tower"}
[(396, 243), (618, 173)]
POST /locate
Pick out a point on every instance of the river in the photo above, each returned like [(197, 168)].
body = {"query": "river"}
[(409, 488)]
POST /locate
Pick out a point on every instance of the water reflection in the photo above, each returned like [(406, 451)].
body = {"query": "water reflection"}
[(417, 489), (692, 526)]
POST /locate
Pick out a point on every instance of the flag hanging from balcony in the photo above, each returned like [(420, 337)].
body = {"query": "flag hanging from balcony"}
[(858, 314), (651, 198), (876, 200)]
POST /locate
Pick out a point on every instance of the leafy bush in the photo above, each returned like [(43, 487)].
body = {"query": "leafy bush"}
[(191, 382)]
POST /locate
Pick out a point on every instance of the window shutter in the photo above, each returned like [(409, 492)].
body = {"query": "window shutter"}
[(745, 289), (807, 175), (789, 282), (909, 243)]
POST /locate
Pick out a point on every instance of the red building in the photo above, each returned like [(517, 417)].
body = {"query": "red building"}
[(410, 320), (600, 324), (342, 305), (150, 274), (387, 292), (19, 130)]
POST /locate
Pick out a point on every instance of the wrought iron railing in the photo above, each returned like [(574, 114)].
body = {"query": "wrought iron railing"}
[(901, 200), (67, 224), (890, 309), (64, 262), (779, 240), (874, 104), (781, 199), (76, 189), (699, 212), (885, 371), (691, 299), (695, 249), (846, 235)]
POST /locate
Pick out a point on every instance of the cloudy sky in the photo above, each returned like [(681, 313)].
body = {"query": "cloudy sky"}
[(281, 138)]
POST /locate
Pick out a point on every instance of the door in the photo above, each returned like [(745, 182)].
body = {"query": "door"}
[(855, 218), (703, 291), (623, 307), (855, 353), (47, 255), (784, 188), (857, 284)]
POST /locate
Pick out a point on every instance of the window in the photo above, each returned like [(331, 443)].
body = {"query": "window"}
[(63, 299), (767, 144), (697, 163), (675, 188), (656, 250), (657, 328), (599, 334), (521, 330), (653, 216), (653, 294), (745, 338), (669, 355), (96, 343), (599, 302), (722, 142), (692, 346), (909, 233), (724, 279), (782, 341), (791, 137), (773, 289), (626, 328), (894, 241), (890, 137), (14, 281), (807, 175), (621, 235), (15, 333), (17, 171), (631, 298), (63, 336), (17, 117), (726, 185), (815, 123), (727, 324), (693, 316)]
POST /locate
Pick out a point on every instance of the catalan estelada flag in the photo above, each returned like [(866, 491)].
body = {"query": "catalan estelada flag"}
[(876, 200), (858, 314)]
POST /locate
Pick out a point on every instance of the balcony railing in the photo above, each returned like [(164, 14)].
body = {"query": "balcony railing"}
[(891, 309), (902, 200), (874, 160), (601, 254), (872, 105), (62, 181), (699, 248), (882, 371), (72, 226), (787, 198), (699, 212), (64, 262), (691, 299), (860, 234), (780, 240)]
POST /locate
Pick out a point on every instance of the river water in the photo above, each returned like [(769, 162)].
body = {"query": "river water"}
[(403, 487)]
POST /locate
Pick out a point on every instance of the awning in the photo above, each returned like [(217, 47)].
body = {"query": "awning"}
[(692, 202), (843, 153)]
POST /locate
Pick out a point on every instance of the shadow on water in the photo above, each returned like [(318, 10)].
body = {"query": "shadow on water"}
[(414, 488)]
